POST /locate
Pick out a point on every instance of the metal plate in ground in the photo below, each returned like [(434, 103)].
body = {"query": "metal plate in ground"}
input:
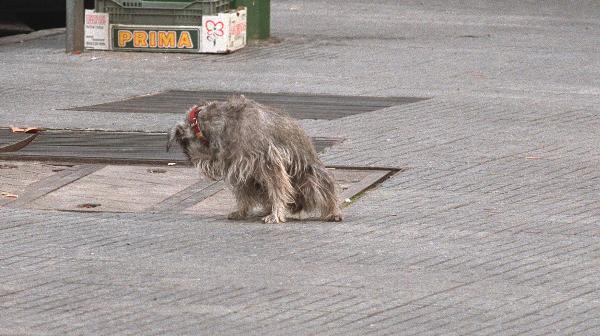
[(10, 141), (141, 189), (297, 105), (15, 177), (350, 181), (118, 189), (110, 147)]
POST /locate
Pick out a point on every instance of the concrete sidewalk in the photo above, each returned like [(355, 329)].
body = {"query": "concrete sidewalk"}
[(491, 229)]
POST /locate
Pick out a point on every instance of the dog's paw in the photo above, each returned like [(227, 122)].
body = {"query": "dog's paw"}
[(333, 218), (237, 215), (273, 219)]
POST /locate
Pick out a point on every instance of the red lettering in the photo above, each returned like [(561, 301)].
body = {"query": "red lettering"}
[(95, 19)]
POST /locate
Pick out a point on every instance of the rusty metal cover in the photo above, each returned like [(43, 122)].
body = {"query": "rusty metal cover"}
[(299, 106), (142, 189), (110, 147)]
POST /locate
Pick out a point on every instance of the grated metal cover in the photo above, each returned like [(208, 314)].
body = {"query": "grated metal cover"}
[(110, 147), (298, 106)]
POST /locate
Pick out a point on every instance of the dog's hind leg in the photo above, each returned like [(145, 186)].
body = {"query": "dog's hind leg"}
[(320, 187), (331, 212), (280, 193)]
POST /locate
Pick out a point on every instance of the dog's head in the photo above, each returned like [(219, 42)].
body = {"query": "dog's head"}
[(191, 135), (201, 134)]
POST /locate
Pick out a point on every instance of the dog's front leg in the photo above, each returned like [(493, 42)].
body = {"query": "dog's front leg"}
[(238, 214), (243, 203)]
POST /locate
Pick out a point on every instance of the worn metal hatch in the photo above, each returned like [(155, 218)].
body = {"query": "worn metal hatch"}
[(299, 106), (109, 147)]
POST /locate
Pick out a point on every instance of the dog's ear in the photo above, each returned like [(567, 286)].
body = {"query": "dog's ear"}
[(175, 134)]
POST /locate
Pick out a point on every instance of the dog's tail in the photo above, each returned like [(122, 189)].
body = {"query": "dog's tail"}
[(318, 190)]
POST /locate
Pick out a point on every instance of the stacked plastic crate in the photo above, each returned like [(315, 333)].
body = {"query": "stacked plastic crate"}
[(172, 25)]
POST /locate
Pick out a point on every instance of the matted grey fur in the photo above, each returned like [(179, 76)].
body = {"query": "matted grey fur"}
[(263, 154)]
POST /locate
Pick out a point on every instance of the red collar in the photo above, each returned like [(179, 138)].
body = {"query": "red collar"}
[(193, 120)]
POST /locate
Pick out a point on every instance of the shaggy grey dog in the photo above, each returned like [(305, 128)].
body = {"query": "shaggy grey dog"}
[(264, 156)]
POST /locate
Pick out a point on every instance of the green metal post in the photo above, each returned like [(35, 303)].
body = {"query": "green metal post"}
[(259, 18)]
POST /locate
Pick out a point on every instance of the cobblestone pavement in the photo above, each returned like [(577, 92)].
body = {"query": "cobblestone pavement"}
[(491, 229)]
